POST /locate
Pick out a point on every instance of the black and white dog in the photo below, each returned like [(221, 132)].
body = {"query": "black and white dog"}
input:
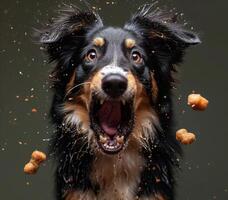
[(112, 105)]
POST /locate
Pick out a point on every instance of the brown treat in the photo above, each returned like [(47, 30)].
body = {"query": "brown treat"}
[(197, 102), (185, 137), (30, 168), (39, 156)]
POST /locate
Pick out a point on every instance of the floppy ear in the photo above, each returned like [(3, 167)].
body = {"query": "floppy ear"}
[(162, 34), (67, 33), (64, 38)]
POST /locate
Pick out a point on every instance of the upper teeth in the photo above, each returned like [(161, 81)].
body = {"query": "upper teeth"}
[(123, 101), (111, 147), (103, 140)]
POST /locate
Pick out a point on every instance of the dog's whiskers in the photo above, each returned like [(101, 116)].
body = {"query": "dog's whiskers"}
[(70, 90)]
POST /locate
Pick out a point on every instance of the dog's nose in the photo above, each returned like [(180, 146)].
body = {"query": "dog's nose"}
[(114, 85)]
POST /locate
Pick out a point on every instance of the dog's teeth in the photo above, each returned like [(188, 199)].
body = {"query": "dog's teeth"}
[(120, 140), (123, 101), (103, 140)]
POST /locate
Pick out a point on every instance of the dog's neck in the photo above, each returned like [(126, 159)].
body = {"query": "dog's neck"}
[(118, 175)]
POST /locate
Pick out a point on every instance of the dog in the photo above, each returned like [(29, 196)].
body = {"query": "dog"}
[(112, 105)]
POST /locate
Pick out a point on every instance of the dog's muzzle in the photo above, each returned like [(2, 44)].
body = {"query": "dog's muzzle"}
[(112, 113)]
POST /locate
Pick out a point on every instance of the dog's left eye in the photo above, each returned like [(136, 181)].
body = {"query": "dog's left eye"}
[(91, 56), (136, 57)]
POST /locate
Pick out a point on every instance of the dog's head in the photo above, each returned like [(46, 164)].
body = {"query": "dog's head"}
[(110, 82)]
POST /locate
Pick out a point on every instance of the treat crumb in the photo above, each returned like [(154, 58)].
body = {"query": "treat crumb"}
[(197, 102), (185, 137), (37, 158)]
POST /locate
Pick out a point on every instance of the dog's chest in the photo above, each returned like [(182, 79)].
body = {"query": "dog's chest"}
[(117, 176)]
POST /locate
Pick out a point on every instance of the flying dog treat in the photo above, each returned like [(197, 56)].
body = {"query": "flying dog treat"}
[(197, 102), (37, 158), (185, 137)]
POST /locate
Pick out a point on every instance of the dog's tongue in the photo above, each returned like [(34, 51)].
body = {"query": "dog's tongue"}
[(110, 116)]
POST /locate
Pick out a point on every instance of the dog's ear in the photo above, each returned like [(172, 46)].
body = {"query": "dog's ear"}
[(67, 32), (162, 34)]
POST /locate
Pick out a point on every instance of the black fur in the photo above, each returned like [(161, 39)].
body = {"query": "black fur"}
[(163, 42)]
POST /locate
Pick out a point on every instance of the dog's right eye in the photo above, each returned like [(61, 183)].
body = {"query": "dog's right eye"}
[(91, 56), (137, 57)]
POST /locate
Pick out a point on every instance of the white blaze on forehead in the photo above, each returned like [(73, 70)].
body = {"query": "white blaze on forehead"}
[(113, 68)]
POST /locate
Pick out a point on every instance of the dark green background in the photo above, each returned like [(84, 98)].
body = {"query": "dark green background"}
[(24, 72)]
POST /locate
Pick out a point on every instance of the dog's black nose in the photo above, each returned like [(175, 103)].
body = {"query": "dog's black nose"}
[(114, 85)]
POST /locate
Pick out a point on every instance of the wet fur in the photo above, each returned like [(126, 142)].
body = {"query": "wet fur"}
[(144, 169)]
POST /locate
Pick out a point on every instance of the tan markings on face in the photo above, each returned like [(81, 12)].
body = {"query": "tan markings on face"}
[(130, 43), (99, 41), (145, 117), (78, 113), (154, 87), (96, 82), (77, 107), (132, 86)]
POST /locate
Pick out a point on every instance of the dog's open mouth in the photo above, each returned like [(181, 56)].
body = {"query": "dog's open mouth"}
[(112, 122)]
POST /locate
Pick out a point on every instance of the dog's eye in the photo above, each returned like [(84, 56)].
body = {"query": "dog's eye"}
[(136, 57), (91, 55)]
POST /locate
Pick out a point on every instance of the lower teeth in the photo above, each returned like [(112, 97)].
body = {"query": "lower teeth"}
[(111, 147), (112, 144)]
